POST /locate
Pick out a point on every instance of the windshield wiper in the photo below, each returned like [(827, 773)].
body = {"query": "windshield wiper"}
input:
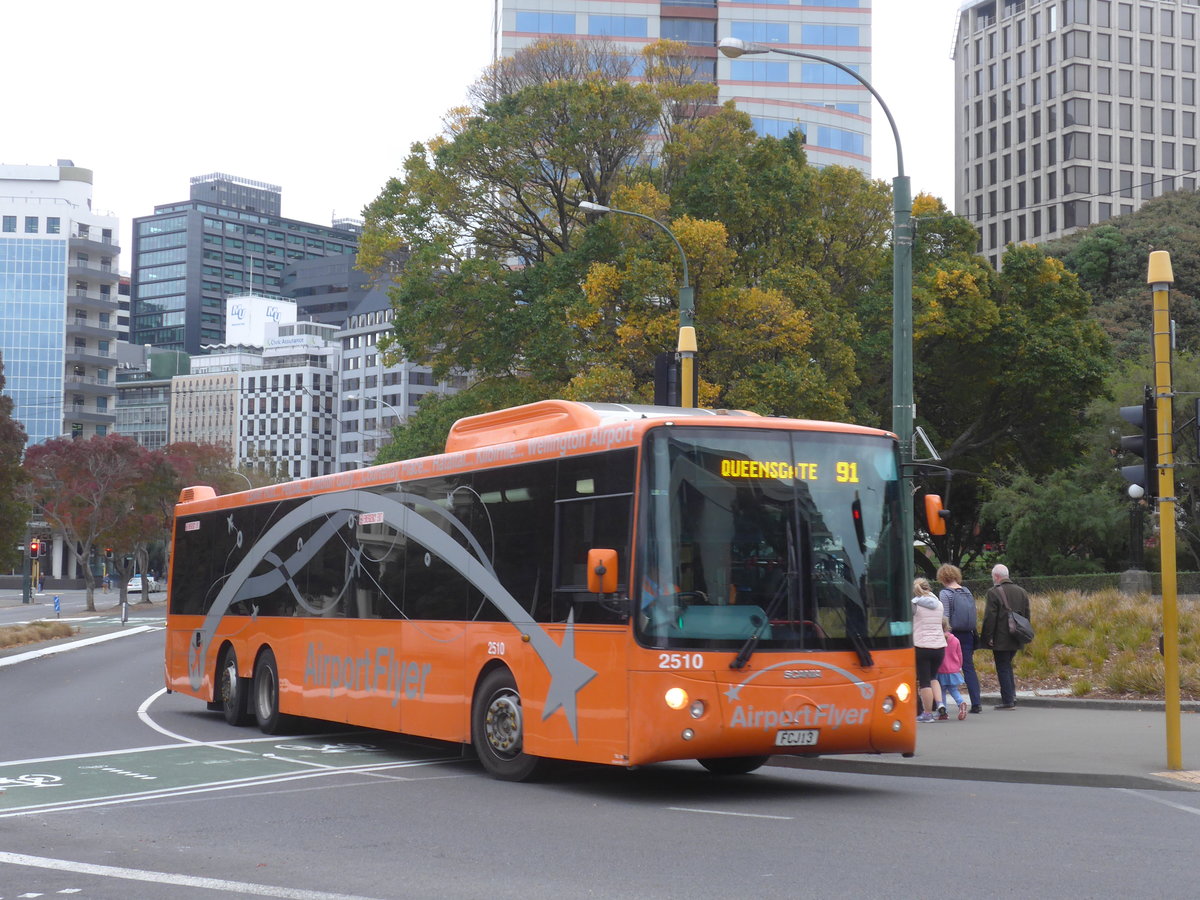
[(743, 657), (860, 647)]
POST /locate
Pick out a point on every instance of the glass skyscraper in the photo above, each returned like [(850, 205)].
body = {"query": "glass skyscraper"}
[(225, 240), (779, 92)]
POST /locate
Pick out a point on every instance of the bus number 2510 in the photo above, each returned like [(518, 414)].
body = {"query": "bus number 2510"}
[(681, 660)]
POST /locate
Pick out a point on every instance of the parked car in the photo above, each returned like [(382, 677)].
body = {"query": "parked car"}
[(152, 584)]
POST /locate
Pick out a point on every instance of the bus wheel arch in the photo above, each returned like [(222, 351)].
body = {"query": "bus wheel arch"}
[(497, 727), (231, 692)]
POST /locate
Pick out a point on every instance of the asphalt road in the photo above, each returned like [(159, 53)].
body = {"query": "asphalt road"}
[(114, 790)]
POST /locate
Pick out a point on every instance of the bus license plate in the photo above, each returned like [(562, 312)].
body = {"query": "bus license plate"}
[(796, 737)]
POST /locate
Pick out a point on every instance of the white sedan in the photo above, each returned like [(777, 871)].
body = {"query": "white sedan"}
[(135, 584)]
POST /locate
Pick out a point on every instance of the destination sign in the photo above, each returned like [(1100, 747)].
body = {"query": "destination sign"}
[(843, 472)]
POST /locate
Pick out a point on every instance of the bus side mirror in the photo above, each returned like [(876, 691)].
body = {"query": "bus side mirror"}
[(602, 571), (935, 515)]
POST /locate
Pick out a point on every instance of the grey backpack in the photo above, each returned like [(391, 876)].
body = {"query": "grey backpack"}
[(960, 608)]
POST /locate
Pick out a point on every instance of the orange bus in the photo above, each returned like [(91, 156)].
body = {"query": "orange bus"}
[(594, 582)]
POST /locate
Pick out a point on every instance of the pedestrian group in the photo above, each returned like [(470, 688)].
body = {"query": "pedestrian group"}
[(946, 634)]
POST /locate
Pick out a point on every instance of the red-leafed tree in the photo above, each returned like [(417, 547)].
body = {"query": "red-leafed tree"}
[(86, 490), (14, 512)]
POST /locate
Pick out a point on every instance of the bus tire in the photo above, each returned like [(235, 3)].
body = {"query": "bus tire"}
[(497, 729), (265, 694), (733, 765), (232, 691)]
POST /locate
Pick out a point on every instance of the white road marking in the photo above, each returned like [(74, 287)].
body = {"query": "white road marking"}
[(211, 786), (212, 884), (74, 645), (1146, 796), (719, 812), (144, 714)]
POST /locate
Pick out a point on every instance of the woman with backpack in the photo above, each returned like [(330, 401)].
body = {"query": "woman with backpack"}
[(960, 610)]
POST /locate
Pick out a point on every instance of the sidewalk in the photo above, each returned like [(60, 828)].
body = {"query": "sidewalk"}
[(1064, 741)]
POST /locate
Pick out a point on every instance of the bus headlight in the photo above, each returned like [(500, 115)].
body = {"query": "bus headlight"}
[(676, 698), (696, 709), (903, 691), (889, 703)]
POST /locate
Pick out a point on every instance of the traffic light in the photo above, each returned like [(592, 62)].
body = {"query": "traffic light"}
[(108, 553), (1145, 445), (34, 547)]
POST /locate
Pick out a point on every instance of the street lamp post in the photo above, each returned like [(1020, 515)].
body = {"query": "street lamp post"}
[(381, 402), (903, 408), (687, 309)]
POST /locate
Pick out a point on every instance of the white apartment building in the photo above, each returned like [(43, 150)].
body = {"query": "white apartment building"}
[(58, 301)]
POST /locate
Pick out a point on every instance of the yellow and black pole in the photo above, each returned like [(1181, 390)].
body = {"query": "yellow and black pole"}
[(1160, 279)]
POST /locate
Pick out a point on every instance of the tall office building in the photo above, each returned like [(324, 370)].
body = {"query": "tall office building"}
[(227, 238), (58, 301), (1069, 113), (287, 411), (144, 392), (376, 398), (204, 403), (779, 92)]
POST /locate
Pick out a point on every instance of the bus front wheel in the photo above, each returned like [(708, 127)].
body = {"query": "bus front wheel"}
[(733, 765), (497, 729), (266, 694), (231, 690)]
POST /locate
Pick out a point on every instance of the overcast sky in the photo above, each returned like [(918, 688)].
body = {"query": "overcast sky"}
[(324, 99)]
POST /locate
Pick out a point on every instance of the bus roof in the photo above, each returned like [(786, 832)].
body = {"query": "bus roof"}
[(546, 429), (548, 417)]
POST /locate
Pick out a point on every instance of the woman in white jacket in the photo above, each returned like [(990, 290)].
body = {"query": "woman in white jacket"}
[(930, 642)]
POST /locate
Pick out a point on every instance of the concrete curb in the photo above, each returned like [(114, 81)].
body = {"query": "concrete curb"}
[(898, 766), (1057, 702)]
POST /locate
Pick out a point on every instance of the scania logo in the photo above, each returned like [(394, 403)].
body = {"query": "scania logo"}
[(801, 673)]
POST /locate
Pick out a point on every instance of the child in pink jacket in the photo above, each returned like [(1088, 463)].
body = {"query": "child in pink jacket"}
[(950, 674)]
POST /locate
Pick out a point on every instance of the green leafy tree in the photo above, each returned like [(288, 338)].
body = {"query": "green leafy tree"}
[(1006, 366), (1058, 524), (775, 294), (1111, 260)]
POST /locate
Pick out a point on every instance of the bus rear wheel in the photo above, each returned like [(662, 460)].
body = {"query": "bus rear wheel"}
[(497, 729), (733, 765), (266, 694), (232, 690)]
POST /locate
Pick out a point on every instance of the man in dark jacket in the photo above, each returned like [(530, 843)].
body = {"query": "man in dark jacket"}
[(995, 635)]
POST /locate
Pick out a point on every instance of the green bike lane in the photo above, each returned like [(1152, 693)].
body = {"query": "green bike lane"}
[(171, 770)]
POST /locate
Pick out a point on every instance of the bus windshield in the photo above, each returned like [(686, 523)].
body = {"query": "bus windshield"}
[(788, 539)]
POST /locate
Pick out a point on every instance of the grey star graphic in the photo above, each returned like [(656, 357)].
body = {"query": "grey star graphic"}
[(567, 675)]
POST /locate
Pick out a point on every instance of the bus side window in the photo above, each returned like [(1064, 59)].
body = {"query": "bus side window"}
[(512, 519), (434, 589), (584, 525)]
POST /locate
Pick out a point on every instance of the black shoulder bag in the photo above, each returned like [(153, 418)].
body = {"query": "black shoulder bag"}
[(1018, 626)]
